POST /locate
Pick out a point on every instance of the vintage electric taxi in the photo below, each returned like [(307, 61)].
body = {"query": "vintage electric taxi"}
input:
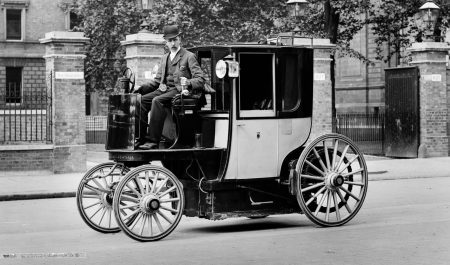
[(246, 152)]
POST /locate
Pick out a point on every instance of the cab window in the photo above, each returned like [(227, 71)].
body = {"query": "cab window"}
[(290, 100), (220, 100), (256, 82)]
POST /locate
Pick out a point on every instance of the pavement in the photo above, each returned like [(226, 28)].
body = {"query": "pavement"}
[(26, 185)]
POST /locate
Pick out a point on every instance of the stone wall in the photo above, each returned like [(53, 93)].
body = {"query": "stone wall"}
[(430, 57)]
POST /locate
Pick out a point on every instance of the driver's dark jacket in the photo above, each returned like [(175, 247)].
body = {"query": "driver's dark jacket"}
[(186, 65)]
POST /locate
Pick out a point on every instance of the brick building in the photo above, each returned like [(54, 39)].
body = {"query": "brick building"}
[(360, 87)]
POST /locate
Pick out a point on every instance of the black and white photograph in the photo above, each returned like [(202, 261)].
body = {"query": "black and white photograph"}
[(225, 132)]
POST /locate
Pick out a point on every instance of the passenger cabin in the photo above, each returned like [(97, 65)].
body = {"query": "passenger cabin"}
[(262, 115), (257, 119)]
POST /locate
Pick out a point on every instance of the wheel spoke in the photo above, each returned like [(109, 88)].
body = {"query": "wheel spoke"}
[(103, 189), (133, 190), (353, 172), (320, 203), (138, 218), (133, 213), (96, 212), (139, 184), (312, 177), (144, 220), (348, 164), (325, 169), (104, 181), (167, 191), (129, 206), (327, 215), (327, 158), (336, 208), (315, 168), (150, 224), (87, 207), (349, 193), (315, 196), (103, 215), (110, 218), (333, 159), (161, 186), (147, 182), (92, 196), (170, 200), (96, 190), (344, 201), (344, 153), (312, 187), (128, 198), (158, 223), (168, 209), (354, 183), (165, 217), (154, 182)]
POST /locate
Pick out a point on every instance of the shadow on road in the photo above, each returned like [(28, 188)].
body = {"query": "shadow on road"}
[(248, 225)]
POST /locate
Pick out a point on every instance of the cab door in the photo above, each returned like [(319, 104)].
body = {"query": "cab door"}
[(256, 123)]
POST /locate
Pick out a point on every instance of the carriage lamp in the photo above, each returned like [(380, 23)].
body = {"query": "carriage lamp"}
[(426, 20), (297, 10), (224, 67), (297, 7), (221, 69)]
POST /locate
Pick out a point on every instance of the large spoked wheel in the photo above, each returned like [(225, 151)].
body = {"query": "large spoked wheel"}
[(154, 197), (95, 196), (331, 181)]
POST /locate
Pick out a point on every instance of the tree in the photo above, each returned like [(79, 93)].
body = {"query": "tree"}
[(106, 23), (394, 25)]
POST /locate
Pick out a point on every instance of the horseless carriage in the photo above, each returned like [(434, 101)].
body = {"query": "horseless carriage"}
[(246, 154)]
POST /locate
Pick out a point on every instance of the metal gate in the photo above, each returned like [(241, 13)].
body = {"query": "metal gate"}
[(402, 112)]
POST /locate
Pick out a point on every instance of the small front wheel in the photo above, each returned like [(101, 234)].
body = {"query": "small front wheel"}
[(331, 180), (152, 197), (95, 196)]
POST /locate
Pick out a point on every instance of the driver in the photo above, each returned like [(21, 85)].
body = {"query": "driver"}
[(179, 72)]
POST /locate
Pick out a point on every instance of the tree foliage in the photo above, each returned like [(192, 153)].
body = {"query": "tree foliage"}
[(106, 23), (219, 21)]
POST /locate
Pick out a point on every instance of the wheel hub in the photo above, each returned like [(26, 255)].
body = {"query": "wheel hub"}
[(107, 198), (334, 180), (150, 203)]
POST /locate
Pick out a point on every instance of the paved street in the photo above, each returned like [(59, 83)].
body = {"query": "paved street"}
[(402, 222)]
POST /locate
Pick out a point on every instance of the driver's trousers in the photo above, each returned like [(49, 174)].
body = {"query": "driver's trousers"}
[(154, 102)]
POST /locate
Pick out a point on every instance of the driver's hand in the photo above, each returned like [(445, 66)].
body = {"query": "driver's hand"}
[(137, 90), (185, 92)]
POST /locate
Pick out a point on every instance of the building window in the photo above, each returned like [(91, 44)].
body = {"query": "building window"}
[(147, 4), (14, 24), (13, 84), (74, 20)]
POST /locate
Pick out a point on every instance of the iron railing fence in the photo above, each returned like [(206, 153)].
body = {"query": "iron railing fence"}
[(25, 116), (366, 130), (96, 129)]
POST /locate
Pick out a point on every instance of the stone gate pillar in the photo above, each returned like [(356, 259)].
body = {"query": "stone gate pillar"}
[(430, 57), (322, 104), (143, 51), (64, 57)]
